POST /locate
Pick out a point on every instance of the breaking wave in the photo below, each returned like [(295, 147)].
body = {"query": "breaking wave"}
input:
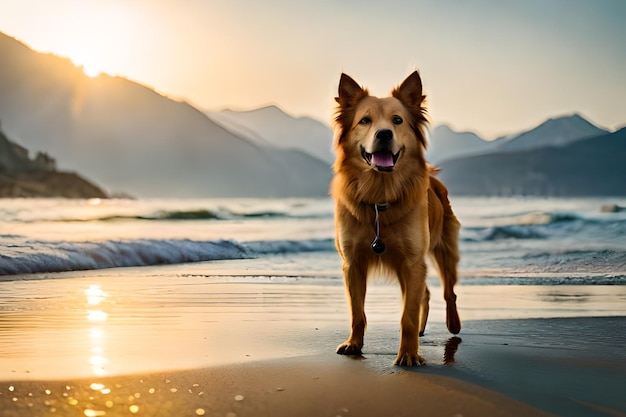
[(501, 232), (25, 256), (541, 225)]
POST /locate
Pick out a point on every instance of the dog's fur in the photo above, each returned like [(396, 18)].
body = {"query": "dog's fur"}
[(380, 146)]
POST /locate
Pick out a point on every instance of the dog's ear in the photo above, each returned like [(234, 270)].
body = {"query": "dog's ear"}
[(410, 94), (350, 93), (410, 91)]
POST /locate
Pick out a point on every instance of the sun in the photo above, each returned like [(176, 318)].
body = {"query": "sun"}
[(91, 71), (98, 37), (87, 59)]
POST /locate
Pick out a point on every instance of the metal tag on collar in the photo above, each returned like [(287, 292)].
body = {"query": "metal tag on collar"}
[(382, 207), (377, 244)]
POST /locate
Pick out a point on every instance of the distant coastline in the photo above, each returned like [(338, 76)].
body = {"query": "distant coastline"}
[(25, 177)]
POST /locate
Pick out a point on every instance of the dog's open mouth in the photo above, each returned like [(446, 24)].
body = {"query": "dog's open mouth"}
[(381, 160)]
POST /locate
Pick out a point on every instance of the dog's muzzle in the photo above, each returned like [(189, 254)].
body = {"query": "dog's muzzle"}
[(382, 157)]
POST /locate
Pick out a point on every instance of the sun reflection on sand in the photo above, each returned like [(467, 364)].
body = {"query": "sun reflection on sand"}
[(97, 360), (95, 295), (97, 315)]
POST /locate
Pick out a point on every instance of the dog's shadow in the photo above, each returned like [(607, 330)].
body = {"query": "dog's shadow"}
[(450, 349)]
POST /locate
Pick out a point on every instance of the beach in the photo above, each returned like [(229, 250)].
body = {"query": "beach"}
[(257, 337), (235, 307)]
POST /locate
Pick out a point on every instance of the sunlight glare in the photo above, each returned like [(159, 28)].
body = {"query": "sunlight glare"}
[(98, 37), (96, 333), (95, 295), (96, 315), (91, 71), (87, 63), (94, 413), (97, 360)]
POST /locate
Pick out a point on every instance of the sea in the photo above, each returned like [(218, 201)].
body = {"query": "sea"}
[(503, 241)]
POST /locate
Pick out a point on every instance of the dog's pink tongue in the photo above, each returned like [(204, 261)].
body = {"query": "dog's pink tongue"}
[(382, 159)]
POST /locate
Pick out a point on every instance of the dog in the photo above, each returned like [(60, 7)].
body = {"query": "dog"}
[(390, 209)]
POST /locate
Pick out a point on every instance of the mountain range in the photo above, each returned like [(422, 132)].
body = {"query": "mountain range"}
[(446, 143), (131, 139), (562, 156), (594, 166)]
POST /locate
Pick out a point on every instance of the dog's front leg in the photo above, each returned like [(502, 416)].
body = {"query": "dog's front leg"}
[(413, 283), (355, 278)]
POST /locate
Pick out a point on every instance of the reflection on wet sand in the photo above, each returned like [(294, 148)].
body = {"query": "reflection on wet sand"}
[(114, 323), (97, 318), (452, 345)]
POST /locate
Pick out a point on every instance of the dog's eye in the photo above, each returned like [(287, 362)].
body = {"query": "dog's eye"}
[(365, 121), (397, 120)]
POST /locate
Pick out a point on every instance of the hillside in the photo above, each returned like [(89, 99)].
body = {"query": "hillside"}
[(21, 176), (131, 139), (446, 143), (589, 167), (272, 126)]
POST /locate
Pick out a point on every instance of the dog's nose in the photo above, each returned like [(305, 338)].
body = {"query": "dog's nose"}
[(384, 136)]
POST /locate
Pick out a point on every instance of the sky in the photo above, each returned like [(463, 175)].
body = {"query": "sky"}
[(493, 67)]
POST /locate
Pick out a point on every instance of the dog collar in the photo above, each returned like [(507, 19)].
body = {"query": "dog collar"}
[(377, 244), (381, 207)]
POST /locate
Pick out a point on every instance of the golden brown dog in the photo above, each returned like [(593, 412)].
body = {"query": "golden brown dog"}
[(390, 209)]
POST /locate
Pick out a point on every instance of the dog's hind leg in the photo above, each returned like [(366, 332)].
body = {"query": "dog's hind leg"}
[(424, 309), (356, 284), (445, 253), (446, 256)]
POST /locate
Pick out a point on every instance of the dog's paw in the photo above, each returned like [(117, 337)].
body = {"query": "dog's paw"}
[(453, 321), (349, 348), (409, 359)]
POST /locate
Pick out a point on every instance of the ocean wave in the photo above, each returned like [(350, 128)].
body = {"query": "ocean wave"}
[(202, 214), (546, 218), (556, 260), (490, 234), (547, 280), (25, 256), (159, 215), (544, 225)]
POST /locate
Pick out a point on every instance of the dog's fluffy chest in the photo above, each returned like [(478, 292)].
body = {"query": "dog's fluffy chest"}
[(406, 232)]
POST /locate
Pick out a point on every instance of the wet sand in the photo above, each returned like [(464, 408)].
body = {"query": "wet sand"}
[(227, 339)]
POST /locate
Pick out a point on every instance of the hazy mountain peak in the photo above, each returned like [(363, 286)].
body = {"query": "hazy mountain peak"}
[(574, 119), (446, 143), (272, 126), (592, 166), (272, 109), (442, 128), (555, 131), (268, 109)]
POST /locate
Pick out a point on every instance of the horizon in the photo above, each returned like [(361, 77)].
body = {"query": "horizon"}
[(517, 58)]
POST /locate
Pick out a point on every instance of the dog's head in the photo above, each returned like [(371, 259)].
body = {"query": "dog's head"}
[(380, 130)]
